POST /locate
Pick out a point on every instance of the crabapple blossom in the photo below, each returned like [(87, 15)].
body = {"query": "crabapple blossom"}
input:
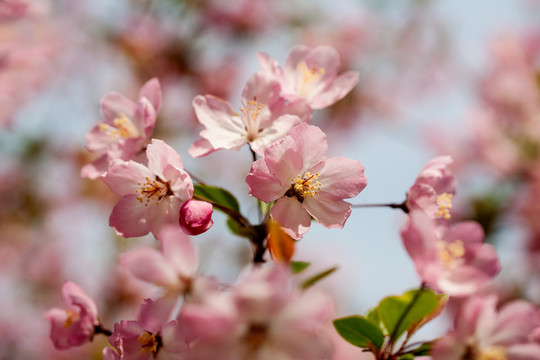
[(76, 324), (126, 129), (264, 118), (296, 173), (312, 74), (153, 336), (151, 195), (451, 259), (196, 217), (174, 267), (481, 331), (433, 189), (263, 317)]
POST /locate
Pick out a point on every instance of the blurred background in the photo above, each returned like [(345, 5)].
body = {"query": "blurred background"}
[(436, 77)]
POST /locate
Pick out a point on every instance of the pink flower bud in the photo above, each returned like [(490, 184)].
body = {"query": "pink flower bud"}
[(196, 217)]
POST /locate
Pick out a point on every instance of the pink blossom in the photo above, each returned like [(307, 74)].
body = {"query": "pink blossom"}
[(263, 317), (451, 259), (125, 130), (434, 189), (297, 175), (196, 217), (74, 325), (483, 332), (151, 195), (153, 336), (264, 118), (311, 73), (174, 267)]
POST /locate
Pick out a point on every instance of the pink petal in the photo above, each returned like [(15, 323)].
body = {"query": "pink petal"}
[(469, 232), (328, 210), (284, 161), (160, 155), (74, 295), (292, 217), (149, 265), (269, 65), (129, 217), (178, 250), (311, 144), (179, 182), (201, 147), (224, 128), (336, 91), (114, 105), (154, 313), (342, 177), (263, 185), (262, 87), (126, 178), (151, 90), (274, 132), (164, 214), (196, 217)]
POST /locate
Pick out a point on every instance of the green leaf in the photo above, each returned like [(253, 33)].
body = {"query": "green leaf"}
[(216, 195), (400, 313), (406, 357), (422, 350), (316, 278), (298, 266), (359, 331), (372, 316)]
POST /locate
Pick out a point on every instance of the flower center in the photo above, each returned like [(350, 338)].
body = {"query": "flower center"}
[(152, 189), (122, 128), (256, 336), (250, 114), (444, 202), (450, 252), (492, 353), (149, 342), (72, 316), (303, 186), (309, 78)]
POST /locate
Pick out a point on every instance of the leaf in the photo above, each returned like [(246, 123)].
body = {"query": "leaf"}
[(401, 313), (299, 266), (316, 278), (372, 316), (359, 331), (217, 196), (280, 244), (442, 299)]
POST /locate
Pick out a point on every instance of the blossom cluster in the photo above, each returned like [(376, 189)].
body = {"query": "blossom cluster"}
[(269, 312)]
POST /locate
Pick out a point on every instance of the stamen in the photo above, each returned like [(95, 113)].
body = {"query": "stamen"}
[(309, 78), (306, 185), (251, 112), (450, 252), (444, 201), (149, 343), (122, 128), (72, 316), (492, 353), (152, 189)]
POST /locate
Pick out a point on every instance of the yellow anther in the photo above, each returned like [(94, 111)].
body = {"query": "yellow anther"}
[(149, 343), (444, 202), (450, 252), (72, 316), (492, 353), (122, 128), (304, 186), (309, 78), (152, 189)]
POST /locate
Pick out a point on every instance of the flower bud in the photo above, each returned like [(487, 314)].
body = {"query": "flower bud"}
[(196, 217)]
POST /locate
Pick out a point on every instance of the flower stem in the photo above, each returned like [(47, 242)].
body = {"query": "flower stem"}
[(402, 206)]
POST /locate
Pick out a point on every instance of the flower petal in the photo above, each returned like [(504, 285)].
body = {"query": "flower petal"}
[(293, 218)]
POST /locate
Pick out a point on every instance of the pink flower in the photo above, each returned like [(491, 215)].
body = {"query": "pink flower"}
[(174, 267), (264, 317), (152, 336), (483, 332), (74, 325), (297, 175), (126, 129), (451, 259), (196, 217), (433, 189), (264, 118), (151, 195), (311, 74)]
